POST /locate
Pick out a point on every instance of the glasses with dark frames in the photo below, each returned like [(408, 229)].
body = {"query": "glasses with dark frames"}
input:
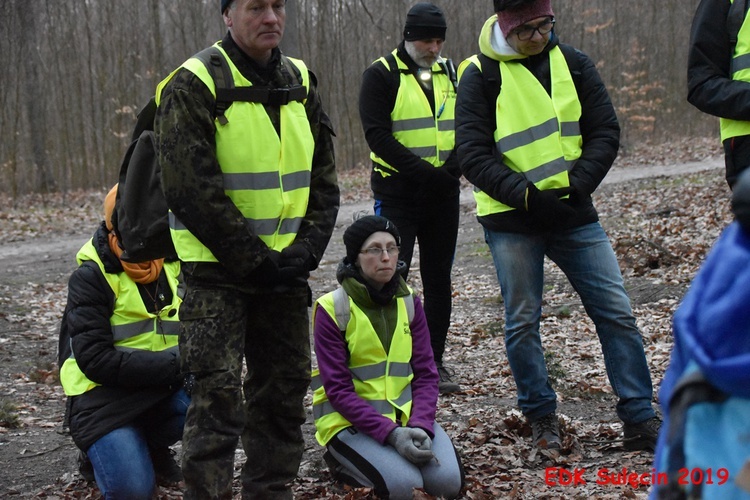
[(526, 33), (378, 251)]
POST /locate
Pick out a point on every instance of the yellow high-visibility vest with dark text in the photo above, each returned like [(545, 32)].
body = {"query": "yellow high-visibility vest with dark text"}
[(431, 137), (383, 380)]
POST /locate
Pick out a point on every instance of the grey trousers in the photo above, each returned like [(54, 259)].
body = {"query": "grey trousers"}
[(378, 466)]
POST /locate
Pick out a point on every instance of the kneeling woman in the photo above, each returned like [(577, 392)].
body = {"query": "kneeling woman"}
[(376, 387), (119, 366)]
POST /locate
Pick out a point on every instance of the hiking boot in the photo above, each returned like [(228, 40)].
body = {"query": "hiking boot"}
[(85, 469), (643, 435), (446, 384), (165, 466), (546, 432)]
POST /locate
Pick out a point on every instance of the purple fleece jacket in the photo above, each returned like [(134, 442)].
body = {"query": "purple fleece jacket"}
[(332, 355)]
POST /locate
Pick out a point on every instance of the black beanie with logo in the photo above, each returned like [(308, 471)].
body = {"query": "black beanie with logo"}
[(361, 229)]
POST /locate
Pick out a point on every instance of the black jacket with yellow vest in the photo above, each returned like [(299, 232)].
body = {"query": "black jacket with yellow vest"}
[(478, 154), (413, 179), (718, 86), (125, 382)]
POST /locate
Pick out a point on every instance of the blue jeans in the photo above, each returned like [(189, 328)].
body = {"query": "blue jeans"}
[(586, 257), (121, 460)]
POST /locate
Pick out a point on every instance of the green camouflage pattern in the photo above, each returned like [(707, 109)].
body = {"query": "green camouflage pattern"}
[(272, 330)]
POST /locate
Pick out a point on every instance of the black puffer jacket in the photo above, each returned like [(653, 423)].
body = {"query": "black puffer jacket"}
[(131, 381), (478, 156)]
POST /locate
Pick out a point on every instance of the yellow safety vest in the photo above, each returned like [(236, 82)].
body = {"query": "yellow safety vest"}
[(431, 137), (266, 176), (383, 380), (133, 327), (537, 135), (740, 71)]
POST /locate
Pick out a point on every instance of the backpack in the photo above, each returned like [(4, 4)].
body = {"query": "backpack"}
[(343, 313), (141, 215)]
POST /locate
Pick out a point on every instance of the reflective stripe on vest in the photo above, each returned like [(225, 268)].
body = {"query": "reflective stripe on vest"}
[(536, 135), (266, 176), (133, 327), (740, 71), (413, 122), (384, 381)]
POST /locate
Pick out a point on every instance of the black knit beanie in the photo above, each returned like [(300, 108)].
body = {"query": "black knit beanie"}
[(741, 199), (361, 229), (424, 21), (224, 5)]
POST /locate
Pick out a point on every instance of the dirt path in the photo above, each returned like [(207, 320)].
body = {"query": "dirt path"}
[(37, 461)]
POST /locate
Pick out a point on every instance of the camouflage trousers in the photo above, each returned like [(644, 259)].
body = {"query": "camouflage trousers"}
[(220, 328)]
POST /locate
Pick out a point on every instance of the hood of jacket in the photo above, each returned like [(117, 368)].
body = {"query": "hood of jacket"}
[(493, 44), (100, 242)]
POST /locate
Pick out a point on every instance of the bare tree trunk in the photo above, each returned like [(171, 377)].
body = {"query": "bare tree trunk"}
[(33, 96), (290, 42)]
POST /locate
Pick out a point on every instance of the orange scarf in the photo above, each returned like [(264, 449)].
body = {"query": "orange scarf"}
[(140, 272)]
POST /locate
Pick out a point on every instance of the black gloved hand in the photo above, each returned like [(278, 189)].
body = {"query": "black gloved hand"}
[(267, 272), (294, 266), (546, 207), (442, 181), (297, 255)]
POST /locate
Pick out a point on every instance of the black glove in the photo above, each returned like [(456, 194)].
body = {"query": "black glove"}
[(546, 207), (412, 443), (442, 181), (267, 272), (297, 255), (294, 267)]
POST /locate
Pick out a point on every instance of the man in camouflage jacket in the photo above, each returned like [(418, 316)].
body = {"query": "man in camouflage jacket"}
[(252, 299)]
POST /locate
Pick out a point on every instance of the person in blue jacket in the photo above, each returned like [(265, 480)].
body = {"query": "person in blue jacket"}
[(711, 331)]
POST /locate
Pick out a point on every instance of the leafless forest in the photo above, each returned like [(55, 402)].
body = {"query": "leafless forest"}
[(75, 72)]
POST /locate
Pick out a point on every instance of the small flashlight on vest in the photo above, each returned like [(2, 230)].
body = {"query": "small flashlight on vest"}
[(425, 75)]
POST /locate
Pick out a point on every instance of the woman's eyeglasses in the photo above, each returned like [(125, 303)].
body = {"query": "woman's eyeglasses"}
[(527, 32), (378, 251)]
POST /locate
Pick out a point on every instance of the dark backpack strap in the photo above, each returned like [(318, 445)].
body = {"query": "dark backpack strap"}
[(735, 18), (450, 70), (491, 79), (227, 93), (573, 59), (222, 76), (145, 119)]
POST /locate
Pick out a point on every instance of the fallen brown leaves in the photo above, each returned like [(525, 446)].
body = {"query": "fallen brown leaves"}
[(660, 228)]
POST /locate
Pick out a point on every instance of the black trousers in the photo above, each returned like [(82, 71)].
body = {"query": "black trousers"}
[(434, 226)]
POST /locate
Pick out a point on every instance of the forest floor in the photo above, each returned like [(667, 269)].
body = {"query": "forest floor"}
[(662, 206)]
